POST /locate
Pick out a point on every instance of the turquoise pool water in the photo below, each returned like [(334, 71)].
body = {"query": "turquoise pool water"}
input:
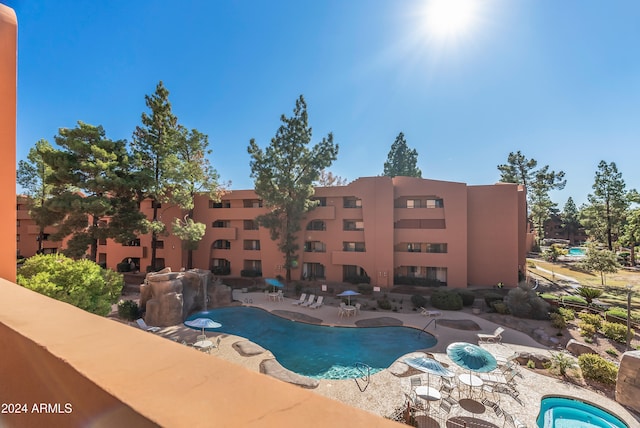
[(577, 251), (563, 412), (316, 351)]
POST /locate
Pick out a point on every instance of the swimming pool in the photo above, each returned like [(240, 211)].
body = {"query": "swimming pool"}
[(577, 251), (565, 412), (316, 351)]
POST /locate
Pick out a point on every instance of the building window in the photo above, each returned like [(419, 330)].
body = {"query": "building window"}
[(353, 246), (221, 244), (132, 243), (156, 204), (316, 225), (252, 203), (250, 225), (435, 203), (436, 248), (219, 204), (353, 225), (312, 271), (437, 274), (159, 244), (352, 202), (17, 223), (102, 241), (413, 203), (315, 247), (160, 263), (252, 244), (321, 202), (414, 247), (18, 238), (221, 223)]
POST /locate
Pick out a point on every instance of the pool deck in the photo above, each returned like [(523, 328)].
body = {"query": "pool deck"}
[(385, 392)]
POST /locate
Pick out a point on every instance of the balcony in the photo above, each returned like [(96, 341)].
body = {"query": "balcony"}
[(422, 213), (348, 258), (52, 343), (322, 213)]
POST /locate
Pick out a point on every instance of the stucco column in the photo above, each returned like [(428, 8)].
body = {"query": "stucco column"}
[(8, 82)]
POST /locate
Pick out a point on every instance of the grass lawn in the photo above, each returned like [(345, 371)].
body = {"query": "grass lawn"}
[(615, 292)]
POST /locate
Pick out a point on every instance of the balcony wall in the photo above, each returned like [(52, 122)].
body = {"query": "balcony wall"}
[(228, 233), (358, 258), (112, 374), (421, 213), (321, 213)]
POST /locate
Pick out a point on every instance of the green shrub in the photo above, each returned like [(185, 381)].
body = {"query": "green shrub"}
[(612, 352), (549, 296), (418, 301), (500, 307), (447, 300), (468, 297), (563, 362), (615, 331), (576, 300), (567, 314), (250, 273), (531, 364), (384, 304), (123, 267), (81, 283), (357, 279), (489, 298), (523, 302), (594, 319), (586, 329), (220, 270), (597, 368), (128, 310), (365, 289), (621, 313), (558, 321)]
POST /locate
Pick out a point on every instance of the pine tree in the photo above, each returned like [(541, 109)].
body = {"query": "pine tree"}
[(402, 161), (284, 174)]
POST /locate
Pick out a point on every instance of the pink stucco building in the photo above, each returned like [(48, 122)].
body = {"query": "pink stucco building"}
[(411, 229)]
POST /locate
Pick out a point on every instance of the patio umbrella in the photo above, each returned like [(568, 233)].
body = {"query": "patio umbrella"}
[(274, 283), (202, 323), (429, 366), (348, 294), (471, 357)]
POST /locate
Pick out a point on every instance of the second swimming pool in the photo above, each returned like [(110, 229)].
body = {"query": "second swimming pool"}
[(316, 351)]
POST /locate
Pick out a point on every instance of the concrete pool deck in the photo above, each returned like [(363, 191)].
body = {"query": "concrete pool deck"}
[(385, 392)]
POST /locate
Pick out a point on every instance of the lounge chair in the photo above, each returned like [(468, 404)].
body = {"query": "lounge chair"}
[(318, 303), (309, 302), (495, 337), (428, 313), (303, 297), (143, 325)]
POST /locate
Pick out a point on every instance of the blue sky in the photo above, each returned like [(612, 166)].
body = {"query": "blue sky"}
[(557, 80)]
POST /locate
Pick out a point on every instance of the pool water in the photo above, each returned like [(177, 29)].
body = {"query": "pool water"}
[(577, 251), (317, 351), (563, 412)]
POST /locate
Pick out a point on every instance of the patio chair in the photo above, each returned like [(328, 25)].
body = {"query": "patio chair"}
[(318, 303), (201, 337), (303, 297), (510, 420), (309, 302), (495, 337), (358, 306), (428, 313), (143, 325), (415, 381), (280, 296)]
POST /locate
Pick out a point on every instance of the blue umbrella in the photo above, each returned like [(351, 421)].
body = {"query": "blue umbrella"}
[(348, 294), (471, 357), (202, 323), (429, 366), (274, 282)]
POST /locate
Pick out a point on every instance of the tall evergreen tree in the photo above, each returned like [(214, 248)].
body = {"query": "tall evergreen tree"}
[(604, 216), (154, 149), (538, 182), (284, 173), (328, 179), (33, 177), (570, 217), (92, 189), (192, 175), (631, 233), (401, 161)]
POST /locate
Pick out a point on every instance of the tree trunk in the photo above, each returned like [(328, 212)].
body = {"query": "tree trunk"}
[(154, 237), (632, 254), (40, 238), (94, 241)]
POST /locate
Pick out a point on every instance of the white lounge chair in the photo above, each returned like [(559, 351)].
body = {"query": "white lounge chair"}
[(428, 313), (309, 302), (143, 325), (318, 303), (303, 297), (494, 337)]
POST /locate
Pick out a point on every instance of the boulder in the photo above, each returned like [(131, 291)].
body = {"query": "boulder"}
[(540, 360), (628, 381), (577, 348)]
